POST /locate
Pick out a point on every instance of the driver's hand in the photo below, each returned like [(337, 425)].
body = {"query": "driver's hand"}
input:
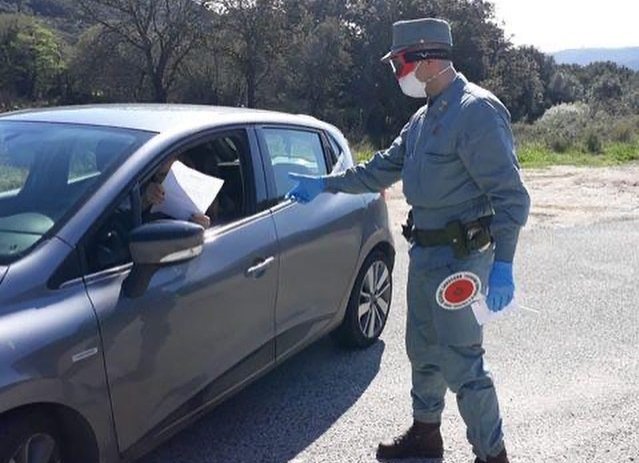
[(201, 219)]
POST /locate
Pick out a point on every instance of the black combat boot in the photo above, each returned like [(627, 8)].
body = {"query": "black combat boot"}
[(422, 440), (500, 458)]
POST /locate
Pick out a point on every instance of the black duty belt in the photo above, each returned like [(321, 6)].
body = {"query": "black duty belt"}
[(462, 237)]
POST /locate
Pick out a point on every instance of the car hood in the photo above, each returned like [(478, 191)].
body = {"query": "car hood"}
[(3, 272)]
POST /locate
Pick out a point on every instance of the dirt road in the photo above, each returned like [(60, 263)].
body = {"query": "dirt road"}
[(564, 196)]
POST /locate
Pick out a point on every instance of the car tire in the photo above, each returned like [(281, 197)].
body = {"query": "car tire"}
[(29, 438), (368, 304)]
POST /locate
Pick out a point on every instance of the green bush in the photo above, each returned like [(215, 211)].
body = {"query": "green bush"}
[(362, 151), (622, 133), (569, 134), (593, 143), (558, 142), (625, 130), (565, 113), (576, 128)]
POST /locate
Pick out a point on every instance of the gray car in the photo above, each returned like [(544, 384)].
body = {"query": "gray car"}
[(119, 327)]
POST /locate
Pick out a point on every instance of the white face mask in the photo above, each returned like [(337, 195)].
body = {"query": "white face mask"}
[(411, 86), (415, 88)]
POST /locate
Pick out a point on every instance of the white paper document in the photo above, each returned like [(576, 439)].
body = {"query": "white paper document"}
[(187, 192), (484, 315)]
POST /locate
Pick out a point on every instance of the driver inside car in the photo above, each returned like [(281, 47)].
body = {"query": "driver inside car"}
[(154, 194)]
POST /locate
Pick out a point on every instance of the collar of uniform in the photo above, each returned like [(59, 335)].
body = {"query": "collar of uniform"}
[(440, 102)]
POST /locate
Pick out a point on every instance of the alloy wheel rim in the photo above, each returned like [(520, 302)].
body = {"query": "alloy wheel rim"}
[(38, 448), (374, 299)]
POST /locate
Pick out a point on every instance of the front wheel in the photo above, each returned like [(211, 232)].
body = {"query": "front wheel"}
[(28, 439), (369, 303)]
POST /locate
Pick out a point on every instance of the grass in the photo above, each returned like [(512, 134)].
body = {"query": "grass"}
[(533, 155)]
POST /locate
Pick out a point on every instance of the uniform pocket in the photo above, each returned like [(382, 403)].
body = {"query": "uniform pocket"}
[(437, 156), (441, 175)]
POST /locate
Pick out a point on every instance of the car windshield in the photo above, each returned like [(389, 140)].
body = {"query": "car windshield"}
[(46, 170)]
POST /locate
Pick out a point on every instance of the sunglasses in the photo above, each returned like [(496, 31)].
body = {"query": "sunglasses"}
[(404, 63)]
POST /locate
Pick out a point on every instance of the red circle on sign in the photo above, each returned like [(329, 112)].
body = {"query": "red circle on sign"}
[(459, 291)]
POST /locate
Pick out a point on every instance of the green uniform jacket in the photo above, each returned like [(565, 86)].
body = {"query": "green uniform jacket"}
[(457, 160)]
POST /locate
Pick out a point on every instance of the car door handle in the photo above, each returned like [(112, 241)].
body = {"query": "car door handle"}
[(260, 267)]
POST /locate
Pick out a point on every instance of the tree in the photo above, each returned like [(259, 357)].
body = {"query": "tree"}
[(315, 56), (605, 92), (318, 68), (105, 68), (31, 60), (209, 76), (630, 98), (251, 33), (516, 81), (605, 85), (161, 32)]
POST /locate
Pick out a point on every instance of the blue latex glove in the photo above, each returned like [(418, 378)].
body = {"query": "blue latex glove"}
[(307, 188), (501, 286)]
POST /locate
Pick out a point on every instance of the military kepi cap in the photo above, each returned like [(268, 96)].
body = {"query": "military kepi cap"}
[(413, 33)]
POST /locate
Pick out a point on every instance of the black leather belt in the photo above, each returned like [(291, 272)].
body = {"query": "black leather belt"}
[(463, 238), (429, 238)]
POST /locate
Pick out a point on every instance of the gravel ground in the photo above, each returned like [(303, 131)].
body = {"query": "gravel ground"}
[(567, 377), (566, 196)]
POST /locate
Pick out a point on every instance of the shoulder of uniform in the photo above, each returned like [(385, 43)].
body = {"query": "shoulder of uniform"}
[(476, 97), (477, 91), (479, 103)]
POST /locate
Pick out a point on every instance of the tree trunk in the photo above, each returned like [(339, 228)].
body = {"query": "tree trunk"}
[(160, 93), (156, 75), (250, 86)]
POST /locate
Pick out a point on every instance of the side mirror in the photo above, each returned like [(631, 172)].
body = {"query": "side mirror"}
[(157, 244)]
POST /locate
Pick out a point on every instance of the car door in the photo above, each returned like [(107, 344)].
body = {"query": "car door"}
[(319, 241), (201, 328)]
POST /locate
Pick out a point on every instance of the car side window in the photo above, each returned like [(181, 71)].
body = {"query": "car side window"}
[(224, 156), (108, 245), (293, 150), (337, 152)]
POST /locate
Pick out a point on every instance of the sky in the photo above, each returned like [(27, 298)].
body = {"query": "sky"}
[(553, 25)]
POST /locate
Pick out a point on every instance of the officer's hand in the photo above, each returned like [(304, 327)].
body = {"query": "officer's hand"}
[(501, 286), (307, 188)]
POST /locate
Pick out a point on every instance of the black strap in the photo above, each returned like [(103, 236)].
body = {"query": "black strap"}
[(435, 53), (442, 236), (428, 238)]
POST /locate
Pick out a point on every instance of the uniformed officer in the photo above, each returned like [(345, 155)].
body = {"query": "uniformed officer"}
[(461, 176)]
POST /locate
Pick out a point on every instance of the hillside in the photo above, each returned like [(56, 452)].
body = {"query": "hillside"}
[(59, 14), (44, 8), (628, 57)]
